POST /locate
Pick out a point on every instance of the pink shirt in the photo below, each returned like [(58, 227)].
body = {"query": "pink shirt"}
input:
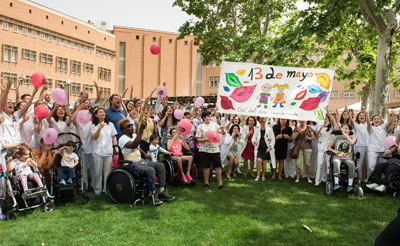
[(176, 148)]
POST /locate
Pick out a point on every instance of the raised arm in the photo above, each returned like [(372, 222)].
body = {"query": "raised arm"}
[(4, 94), (17, 98), (26, 107), (98, 96), (52, 112), (135, 143)]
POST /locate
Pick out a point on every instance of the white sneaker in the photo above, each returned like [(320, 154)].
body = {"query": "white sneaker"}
[(381, 188), (372, 186), (238, 170), (317, 183)]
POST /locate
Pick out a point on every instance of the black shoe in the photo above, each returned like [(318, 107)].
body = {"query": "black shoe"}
[(206, 186), (222, 187), (165, 197), (156, 201)]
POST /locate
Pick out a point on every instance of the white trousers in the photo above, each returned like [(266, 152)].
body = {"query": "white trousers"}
[(102, 167), (321, 167), (87, 164), (373, 157), (363, 156), (290, 165)]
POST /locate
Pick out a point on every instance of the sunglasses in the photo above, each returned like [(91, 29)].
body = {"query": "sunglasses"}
[(129, 125)]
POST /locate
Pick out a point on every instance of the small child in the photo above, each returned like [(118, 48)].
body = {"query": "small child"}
[(155, 147), (175, 146), (68, 162), (22, 164)]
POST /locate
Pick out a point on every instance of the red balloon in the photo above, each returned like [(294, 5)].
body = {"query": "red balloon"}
[(41, 111), (38, 79), (184, 127), (213, 136), (155, 49)]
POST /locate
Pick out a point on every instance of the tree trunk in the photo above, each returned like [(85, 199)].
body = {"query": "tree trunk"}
[(366, 93), (382, 72)]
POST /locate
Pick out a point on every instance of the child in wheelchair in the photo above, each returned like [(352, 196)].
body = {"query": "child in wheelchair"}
[(22, 165), (69, 160), (154, 148), (342, 147), (379, 179), (175, 145)]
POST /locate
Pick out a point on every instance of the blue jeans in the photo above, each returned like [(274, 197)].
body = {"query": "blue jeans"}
[(66, 173)]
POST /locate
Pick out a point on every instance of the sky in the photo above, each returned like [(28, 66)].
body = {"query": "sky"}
[(148, 14)]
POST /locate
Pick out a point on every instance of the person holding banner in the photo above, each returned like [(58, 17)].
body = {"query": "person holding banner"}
[(248, 152), (264, 140), (304, 136)]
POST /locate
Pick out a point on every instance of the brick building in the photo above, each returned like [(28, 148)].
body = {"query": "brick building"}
[(175, 65), (35, 38)]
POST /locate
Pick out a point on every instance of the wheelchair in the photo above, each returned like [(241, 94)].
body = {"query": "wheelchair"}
[(343, 175), (174, 174), (126, 183), (15, 200), (393, 181), (76, 189)]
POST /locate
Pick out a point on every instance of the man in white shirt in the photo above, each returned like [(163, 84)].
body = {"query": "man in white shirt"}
[(129, 144)]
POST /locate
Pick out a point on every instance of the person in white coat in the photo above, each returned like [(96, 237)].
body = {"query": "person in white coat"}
[(232, 145), (362, 127), (264, 142)]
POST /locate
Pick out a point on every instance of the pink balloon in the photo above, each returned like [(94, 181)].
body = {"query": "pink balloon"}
[(213, 136), (59, 96), (38, 79), (390, 141), (84, 117), (155, 49), (199, 102), (184, 127), (50, 135), (161, 91), (41, 111), (178, 114)]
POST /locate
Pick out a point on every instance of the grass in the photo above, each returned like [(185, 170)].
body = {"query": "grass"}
[(246, 213)]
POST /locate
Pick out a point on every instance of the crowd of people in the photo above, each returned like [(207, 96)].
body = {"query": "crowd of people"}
[(141, 130)]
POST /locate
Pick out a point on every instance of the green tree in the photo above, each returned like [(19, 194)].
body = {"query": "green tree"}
[(234, 30)]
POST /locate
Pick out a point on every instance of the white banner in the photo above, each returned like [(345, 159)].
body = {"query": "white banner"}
[(271, 91)]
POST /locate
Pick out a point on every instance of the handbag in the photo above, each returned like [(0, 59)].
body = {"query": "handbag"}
[(294, 153)]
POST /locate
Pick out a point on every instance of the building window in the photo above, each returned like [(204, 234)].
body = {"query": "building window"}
[(25, 30), (5, 23), (170, 40), (49, 83), (154, 39), (214, 80), (34, 33), (186, 42), (62, 64), (334, 94), (72, 45), (85, 48), (42, 35), (208, 65), (97, 52), (60, 84), (76, 67), (214, 65), (112, 57), (10, 53), (78, 46), (396, 93), (137, 37), (46, 58), (58, 40), (29, 54), (91, 50), (88, 67), (102, 54), (347, 94), (88, 88), (50, 38), (107, 56), (104, 74), (27, 80), (75, 89), (65, 42), (15, 28), (12, 76)]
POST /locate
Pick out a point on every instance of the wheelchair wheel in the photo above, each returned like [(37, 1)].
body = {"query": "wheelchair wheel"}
[(121, 186), (359, 191), (329, 188), (169, 171)]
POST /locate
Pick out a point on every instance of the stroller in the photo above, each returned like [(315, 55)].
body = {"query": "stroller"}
[(16, 200), (67, 192), (343, 176)]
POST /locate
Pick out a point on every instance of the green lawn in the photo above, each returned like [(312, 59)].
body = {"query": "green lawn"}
[(246, 213)]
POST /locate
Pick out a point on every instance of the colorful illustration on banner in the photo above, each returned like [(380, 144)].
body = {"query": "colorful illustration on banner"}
[(280, 95), (323, 96), (310, 103), (264, 95), (241, 72), (232, 80), (226, 103), (314, 89), (324, 80), (243, 93), (318, 112)]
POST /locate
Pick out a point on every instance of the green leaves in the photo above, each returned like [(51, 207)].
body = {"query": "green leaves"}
[(232, 80)]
